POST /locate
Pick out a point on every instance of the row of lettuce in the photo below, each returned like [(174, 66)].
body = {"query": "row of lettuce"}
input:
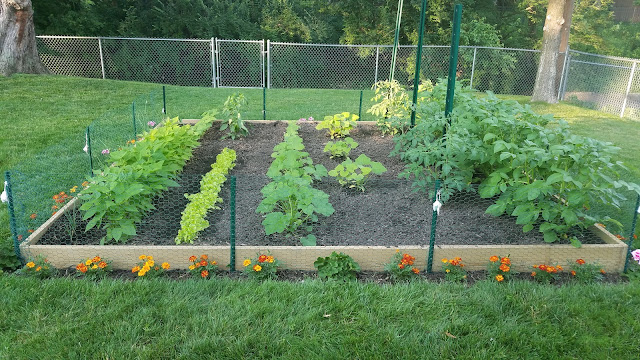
[(337, 266)]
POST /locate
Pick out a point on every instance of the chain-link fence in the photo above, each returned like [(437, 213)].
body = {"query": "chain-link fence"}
[(600, 82)]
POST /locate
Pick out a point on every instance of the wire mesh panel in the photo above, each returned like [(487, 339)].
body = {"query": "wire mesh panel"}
[(506, 71), (70, 56), (322, 66), (240, 63), (597, 82), (175, 62), (632, 109)]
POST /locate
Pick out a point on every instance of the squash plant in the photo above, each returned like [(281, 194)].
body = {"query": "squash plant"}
[(355, 174), (338, 125)]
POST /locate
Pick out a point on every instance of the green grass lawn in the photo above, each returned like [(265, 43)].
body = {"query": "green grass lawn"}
[(227, 319)]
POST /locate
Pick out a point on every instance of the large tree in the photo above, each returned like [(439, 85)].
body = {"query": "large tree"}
[(545, 88), (18, 52)]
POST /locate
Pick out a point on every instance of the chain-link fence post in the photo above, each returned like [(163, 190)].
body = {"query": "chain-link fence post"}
[(164, 100), (636, 211), (217, 61), (434, 222), (89, 152), (473, 65), (101, 58), (268, 64), (232, 224), (12, 216), (375, 75), (213, 63), (360, 107), (133, 119), (264, 103), (626, 95), (562, 74)]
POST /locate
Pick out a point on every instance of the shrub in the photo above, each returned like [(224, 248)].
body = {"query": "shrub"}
[(338, 125), (262, 267), (338, 267), (39, 268), (586, 273), (94, 268), (454, 269), (499, 268), (401, 267), (202, 268), (148, 268)]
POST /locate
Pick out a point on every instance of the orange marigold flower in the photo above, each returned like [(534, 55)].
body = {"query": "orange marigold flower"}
[(31, 264), (416, 271), (504, 268), (635, 236), (602, 271), (33, 216), (56, 196), (506, 261), (257, 268), (573, 273), (551, 269), (494, 258), (142, 257), (54, 207), (102, 265), (53, 213), (458, 259), (270, 259), (401, 266), (204, 273), (81, 267), (444, 261), (499, 278), (262, 258), (85, 184), (203, 263), (135, 269), (542, 267), (30, 231), (156, 268), (39, 268), (559, 267), (96, 259), (533, 273), (535, 266), (165, 265), (192, 258), (213, 263), (580, 261), (204, 257)]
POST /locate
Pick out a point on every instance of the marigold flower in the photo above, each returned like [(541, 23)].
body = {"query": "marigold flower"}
[(142, 272), (213, 263), (635, 236), (30, 231), (102, 265), (448, 271), (146, 267), (192, 258), (96, 259), (203, 263), (39, 268), (401, 266), (506, 261), (165, 265), (247, 262), (262, 258), (580, 261), (494, 258), (204, 273), (56, 197), (457, 258), (444, 261), (142, 257), (32, 216), (73, 189), (602, 271), (54, 207), (620, 237), (151, 263), (85, 184), (156, 268), (415, 271), (499, 278), (191, 267), (88, 262), (559, 267), (533, 273), (551, 269), (53, 213), (204, 257), (270, 259), (20, 237), (257, 268), (94, 267), (397, 250), (81, 267), (135, 269), (542, 267), (504, 268), (149, 258), (573, 273)]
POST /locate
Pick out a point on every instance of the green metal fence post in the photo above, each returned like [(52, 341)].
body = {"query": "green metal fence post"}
[(232, 224), (453, 59), (12, 216), (164, 100), (636, 210), (133, 117), (434, 220), (360, 108), (416, 80), (264, 103), (88, 135), (396, 40)]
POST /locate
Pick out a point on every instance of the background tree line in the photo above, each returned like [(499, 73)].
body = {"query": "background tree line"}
[(509, 23)]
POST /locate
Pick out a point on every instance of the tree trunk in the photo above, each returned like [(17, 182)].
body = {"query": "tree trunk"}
[(18, 52), (545, 87)]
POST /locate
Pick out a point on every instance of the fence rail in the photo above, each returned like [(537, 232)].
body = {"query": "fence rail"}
[(601, 82)]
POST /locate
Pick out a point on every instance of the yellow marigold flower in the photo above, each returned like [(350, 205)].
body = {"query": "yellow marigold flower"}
[(444, 261), (135, 269), (247, 262), (499, 278), (191, 267), (142, 257), (73, 189), (448, 270), (257, 268), (214, 263), (146, 267), (88, 262), (30, 264), (397, 250), (165, 265), (39, 268), (141, 272), (149, 258), (94, 266), (151, 263), (85, 184), (270, 259)]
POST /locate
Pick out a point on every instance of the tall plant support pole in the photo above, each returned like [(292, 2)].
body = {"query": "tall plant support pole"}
[(232, 225), (268, 64), (416, 80), (631, 232), (473, 65), (453, 59), (434, 221), (133, 117), (264, 103), (360, 108), (164, 100), (12, 216), (563, 74), (626, 95), (101, 58), (396, 40), (375, 75), (213, 63), (88, 136)]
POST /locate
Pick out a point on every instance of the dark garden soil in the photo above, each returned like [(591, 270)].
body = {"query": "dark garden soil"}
[(388, 213)]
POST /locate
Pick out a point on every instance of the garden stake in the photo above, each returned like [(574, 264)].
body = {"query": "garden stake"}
[(631, 233), (396, 40), (12, 217), (264, 103), (434, 219), (416, 80), (88, 134), (360, 109), (232, 224), (453, 60), (133, 116), (164, 101)]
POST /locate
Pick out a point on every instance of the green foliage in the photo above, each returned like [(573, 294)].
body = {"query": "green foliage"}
[(290, 201), (340, 148), (95, 268), (392, 108), (401, 267), (8, 259), (534, 166), (262, 267), (38, 267), (546, 274), (338, 125), (202, 268), (587, 273), (121, 194), (337, 267), (193, 216), (232, 118), (499, 268), (454, 270), (355, 174)]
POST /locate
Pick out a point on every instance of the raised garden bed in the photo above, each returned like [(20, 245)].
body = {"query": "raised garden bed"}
[(368, 225)]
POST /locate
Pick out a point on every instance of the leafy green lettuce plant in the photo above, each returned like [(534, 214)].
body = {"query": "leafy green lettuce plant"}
[(338, 125), (355, 174), (193, 217), (341, 148)]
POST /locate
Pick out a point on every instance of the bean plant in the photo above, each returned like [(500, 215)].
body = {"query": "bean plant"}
[(232, 117)]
